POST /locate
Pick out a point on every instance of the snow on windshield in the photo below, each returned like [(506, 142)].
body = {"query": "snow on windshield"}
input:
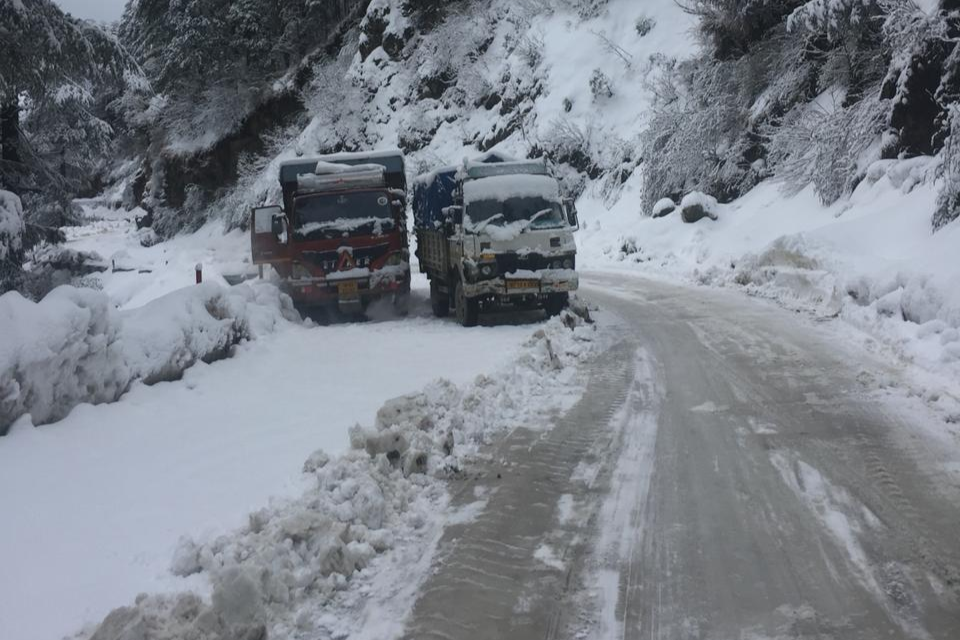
[(343, 212), (508, 205), (344, 225)]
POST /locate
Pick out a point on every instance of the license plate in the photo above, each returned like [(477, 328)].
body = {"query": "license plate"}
[(523, 284), (348, 289)]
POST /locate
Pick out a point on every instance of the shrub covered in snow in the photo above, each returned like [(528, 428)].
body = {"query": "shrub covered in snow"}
[(645, 25), (74, 347), (11, 239), (600, 85)]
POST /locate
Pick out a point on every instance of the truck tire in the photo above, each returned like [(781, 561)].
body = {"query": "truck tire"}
[(468, 309), (439, 302), (556, 303)]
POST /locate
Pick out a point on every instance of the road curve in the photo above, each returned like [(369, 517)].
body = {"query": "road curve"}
[(731, 472)]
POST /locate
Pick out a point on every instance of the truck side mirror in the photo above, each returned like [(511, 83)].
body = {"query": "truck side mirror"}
[(279, 228), (452, 216), (572, 216), (268, 234), (264, 219), (455, 214)]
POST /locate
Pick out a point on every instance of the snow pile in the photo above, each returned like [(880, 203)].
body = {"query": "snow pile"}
[(296, 562), (74, 347)]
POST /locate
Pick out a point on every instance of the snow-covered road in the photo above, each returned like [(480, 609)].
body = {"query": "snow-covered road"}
[(93, 506), (734, 470)]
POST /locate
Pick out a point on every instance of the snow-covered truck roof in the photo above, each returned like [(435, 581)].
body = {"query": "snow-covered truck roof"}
[(501, 188), (434, 191), (328, 178), (291, 171), (391, 160)]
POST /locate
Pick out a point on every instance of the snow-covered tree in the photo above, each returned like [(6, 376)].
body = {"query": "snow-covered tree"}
[(11, 240), (948, 205), (57, 75)]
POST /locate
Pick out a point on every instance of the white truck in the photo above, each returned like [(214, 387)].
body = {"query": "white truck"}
[(495, 233)]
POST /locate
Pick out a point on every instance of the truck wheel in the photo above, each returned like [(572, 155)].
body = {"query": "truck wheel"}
[(556, 303), (439, 302), (468, 309)]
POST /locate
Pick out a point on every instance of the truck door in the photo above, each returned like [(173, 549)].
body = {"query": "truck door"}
[(268, 234)]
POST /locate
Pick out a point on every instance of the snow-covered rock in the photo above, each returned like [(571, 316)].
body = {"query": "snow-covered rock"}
[(73, 346), (663, 207), (696, 206)]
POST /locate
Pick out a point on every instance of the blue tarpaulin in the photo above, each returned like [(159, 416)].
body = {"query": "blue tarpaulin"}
[(433, 192)]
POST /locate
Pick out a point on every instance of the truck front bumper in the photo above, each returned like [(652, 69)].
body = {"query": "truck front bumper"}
[(542, 283), (348, 292)]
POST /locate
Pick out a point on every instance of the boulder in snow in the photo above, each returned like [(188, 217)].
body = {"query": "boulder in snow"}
[(696, 206), (663, 208)]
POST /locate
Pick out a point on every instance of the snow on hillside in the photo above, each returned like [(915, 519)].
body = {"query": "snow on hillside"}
[(580, 89), (528, 79), (870, 260)]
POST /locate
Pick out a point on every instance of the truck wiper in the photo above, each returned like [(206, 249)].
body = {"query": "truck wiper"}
[(483, 225), (534, 218)]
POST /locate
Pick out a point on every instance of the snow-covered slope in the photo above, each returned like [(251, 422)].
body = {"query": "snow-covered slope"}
[(533, 78), (870, 259)]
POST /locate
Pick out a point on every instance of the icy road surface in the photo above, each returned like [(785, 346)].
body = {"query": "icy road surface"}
[(92, 506), (734, 471)]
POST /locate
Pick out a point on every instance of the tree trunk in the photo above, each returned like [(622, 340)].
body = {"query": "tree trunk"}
[(10, 130)]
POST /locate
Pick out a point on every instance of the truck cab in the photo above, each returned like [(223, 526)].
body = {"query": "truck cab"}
[(340, 238), (495, 233)]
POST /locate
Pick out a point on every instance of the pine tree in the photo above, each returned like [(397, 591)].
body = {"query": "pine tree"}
[(56, 74)]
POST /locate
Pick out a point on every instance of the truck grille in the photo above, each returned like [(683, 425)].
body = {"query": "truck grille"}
[(511, 262), (328, 260)]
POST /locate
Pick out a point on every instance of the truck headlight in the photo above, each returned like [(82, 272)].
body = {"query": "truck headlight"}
[(394, 260), (486, 270), (300, 272)]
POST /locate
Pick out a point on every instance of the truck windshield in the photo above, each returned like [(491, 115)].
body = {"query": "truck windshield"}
[(529, 212), (329, 215)]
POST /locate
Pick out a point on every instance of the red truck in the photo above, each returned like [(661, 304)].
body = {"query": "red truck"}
[(340, 238)]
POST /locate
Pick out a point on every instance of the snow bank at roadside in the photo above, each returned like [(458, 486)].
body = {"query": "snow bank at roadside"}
[(296, 562), (74, 346), (871, 259)]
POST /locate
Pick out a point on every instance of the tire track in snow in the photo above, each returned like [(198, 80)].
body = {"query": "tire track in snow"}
[(506, 575)]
